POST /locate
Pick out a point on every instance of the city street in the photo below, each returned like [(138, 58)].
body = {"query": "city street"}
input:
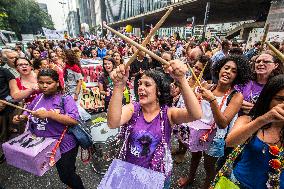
[(13, 178)]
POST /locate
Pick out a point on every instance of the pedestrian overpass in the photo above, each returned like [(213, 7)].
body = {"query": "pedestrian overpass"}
[(221, 11)]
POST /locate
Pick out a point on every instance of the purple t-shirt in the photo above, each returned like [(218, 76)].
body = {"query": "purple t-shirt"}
[(144, 138), (48, 127), (250, 91), (107, 85)]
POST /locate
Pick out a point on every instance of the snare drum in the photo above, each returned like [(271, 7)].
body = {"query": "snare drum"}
[(105, 146)]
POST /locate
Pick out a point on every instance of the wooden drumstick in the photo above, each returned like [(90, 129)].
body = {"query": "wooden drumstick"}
[(201, 73), (195, 77), (266, 28), (148, 38), (15, 106), (276, 51), (140, 47)]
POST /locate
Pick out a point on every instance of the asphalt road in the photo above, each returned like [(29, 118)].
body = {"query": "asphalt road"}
[(14, 178)]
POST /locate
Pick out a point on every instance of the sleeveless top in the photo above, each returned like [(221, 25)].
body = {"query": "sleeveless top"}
[(144, 143), (32, 96), (207, 118), (253, 168)]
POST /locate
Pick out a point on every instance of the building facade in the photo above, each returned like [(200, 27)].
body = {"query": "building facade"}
[(73, 24)]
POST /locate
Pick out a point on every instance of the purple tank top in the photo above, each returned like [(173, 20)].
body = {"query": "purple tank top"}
[(145, 137)]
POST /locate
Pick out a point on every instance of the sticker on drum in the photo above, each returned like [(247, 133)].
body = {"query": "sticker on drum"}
[(101, 132)]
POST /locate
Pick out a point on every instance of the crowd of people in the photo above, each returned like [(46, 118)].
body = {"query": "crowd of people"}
[(213, 96)]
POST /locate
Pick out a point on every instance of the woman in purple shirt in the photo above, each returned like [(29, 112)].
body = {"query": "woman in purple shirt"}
[(150, 120), (265, 67), (52, 112)]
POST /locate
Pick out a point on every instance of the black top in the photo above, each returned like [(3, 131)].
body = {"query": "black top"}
[(137, 65), (5, 77)]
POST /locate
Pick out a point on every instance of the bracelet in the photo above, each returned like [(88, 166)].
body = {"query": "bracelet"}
[(212, 100)]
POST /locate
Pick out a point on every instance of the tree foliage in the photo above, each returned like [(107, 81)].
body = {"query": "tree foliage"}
[(23, 16)]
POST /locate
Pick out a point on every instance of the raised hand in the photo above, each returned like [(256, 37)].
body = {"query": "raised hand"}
[(176, 69), (276, 114), (120, 75), (206, 94)]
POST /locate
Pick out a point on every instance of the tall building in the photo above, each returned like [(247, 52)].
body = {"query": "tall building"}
[(73, 24), (86, 7), (92, 12)]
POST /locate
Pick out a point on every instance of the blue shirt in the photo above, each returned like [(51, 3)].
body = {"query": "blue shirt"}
[(102, 52), (253, 168), (218, 56)]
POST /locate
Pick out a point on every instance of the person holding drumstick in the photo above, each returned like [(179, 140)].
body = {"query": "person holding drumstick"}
[(151, 117)]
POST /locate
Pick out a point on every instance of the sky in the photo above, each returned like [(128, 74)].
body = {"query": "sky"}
[(56, 11)]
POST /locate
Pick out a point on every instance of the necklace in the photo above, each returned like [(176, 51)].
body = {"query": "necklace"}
[(272, 144)]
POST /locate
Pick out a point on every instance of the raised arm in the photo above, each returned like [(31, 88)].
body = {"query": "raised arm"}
[(118, 115), (193, 111), (245, 127), (223, 119)]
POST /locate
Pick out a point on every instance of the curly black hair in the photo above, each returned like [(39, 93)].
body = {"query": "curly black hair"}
[(243, 69), (163, 85)]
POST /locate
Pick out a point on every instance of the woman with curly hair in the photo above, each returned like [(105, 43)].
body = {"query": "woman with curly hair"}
[(220, 105), (150, 120), (261, 130), (265, 66), (73, 78)]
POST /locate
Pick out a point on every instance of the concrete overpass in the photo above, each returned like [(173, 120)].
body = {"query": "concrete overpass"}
[(220, 11)]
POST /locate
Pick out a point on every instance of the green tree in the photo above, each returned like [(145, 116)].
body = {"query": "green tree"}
[(23, 16)]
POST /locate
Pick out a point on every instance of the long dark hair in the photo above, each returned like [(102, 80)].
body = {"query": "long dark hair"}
[(109, 58), (163, 85), (272, 87)]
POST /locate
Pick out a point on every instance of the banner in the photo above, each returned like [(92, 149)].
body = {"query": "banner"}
[(92, 99), (53, 34), (91, 73)]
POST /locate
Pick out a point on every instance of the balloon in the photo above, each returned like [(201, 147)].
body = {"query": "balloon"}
[(128, 28)]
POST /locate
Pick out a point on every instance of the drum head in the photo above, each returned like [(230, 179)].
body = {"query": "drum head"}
[(101, 132)]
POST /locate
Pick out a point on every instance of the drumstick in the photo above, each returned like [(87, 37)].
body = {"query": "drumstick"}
[(15, 106), (140, 47), (266, 28), (195, 77), (152, 32), (276, 51), (201, 73)]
